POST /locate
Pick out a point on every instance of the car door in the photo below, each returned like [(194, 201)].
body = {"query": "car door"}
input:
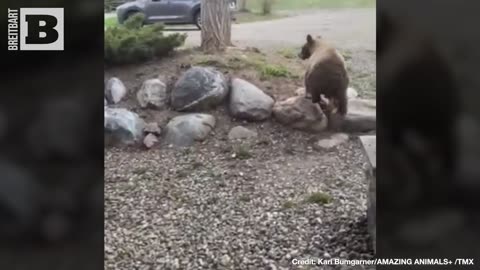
[(181, 10), (157, 10)]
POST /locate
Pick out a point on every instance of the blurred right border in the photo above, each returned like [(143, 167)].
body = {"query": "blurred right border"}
[(428, 176)]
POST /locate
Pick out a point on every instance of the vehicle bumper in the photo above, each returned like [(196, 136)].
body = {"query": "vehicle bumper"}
[(121, 12)]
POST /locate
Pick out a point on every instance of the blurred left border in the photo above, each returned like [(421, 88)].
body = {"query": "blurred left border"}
[(51, 134)]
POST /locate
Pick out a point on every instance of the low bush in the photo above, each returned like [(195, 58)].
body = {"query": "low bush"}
[(134, 42)]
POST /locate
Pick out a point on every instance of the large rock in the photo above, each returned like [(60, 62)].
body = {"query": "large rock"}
[(351, 92), (199, 88), (362, 107), (249, 102), (115, 90), (123, 126), (300, 113), (359, 123), (153, 94), (370, 147), (184, 130), (361, 117)]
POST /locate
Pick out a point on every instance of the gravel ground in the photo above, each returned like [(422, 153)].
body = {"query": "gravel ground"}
[(220, 205), (224, 205)]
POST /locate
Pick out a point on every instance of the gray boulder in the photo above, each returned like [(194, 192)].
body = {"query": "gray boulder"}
[(123, 126), (185, 130), (153, 94), (115, 90), (361, 116), (300, 113), (199, 88), (351, 92), (363, 107), (248, 102)]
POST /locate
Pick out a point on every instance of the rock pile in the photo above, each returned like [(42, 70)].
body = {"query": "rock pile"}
[(201, 89)]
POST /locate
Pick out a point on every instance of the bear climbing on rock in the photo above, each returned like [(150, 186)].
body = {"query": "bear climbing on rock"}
[(326, 75)]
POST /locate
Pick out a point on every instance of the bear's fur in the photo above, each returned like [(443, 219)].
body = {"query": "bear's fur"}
[(326, 74)]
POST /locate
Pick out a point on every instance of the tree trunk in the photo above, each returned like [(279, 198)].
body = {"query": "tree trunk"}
[(267, 7), (216, 25), (243, 6)]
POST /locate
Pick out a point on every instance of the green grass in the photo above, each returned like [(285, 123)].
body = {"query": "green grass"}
[(111, 22), (257, 62), (288, 205), (255, 5), (268, 71), (247, 17), (242, 152), (242, 17), (319, 198), (288, 53)]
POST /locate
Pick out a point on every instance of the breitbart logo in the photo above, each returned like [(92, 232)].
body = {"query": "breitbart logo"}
[(35, 29)]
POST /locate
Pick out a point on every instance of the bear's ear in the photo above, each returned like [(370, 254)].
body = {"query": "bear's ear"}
[(309, 39)]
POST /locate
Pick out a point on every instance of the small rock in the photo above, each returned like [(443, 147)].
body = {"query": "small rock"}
[(301, 92), (153, 128), (248, 102), (300, 113), (184, 130), (352, 93), (153, 94), (332, 141), (241, 133), (150, 140), (115, 90), (225, 260), (199, 88), (272, 266)]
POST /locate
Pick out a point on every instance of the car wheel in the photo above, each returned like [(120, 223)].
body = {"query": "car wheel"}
[(198, 20), (132, 13)]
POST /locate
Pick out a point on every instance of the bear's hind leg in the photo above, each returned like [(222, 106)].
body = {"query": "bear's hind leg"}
[(342, 103)]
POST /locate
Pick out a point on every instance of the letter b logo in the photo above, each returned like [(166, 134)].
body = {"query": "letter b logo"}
[(41, 29)]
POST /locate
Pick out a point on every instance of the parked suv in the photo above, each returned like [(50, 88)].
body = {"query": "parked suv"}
[(166, 11)]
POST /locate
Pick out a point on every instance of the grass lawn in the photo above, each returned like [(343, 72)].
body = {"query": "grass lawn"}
[(244, 17), (110, 21), (241, 18), (255, 5)]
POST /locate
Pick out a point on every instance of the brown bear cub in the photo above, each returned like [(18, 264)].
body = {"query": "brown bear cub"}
[(326, 75)]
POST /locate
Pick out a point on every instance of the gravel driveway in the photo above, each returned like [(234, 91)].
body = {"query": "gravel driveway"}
[(207, 208)]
